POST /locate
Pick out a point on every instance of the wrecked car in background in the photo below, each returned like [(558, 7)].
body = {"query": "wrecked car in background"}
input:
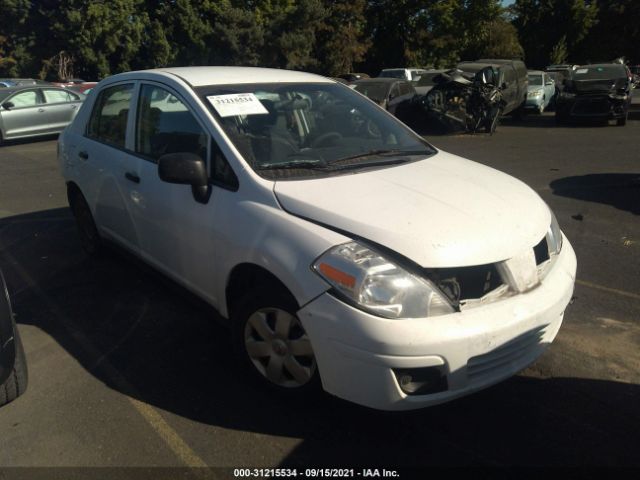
[(599, 91), (462, 101), (512, 80)]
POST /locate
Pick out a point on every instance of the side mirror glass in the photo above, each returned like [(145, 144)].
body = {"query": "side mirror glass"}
[(186, 169), (8, 105)]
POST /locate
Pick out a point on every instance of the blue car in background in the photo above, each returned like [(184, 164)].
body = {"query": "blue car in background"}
[(541, 90)]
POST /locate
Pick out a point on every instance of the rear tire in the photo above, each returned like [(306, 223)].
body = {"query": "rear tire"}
[(87, 230), (621, 122), (16, 384)]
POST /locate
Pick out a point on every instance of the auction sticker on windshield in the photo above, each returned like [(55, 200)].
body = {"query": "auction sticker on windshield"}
[(237, 104)]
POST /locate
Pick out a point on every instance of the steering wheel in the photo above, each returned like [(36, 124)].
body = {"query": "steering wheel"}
[(326, 139)]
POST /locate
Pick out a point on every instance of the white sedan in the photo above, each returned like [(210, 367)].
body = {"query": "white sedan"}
[(344, 249)]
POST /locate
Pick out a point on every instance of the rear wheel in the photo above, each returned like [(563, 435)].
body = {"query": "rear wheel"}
[(87, 230), (271, 343), (621, 122), (16, 384)]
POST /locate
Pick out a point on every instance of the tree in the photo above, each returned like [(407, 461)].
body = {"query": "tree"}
[(16, 40), (542, 23), (340, 39), (616, 32), (559, 52)]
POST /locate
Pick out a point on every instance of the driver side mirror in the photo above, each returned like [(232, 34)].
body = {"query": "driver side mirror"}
[(186, 169), (8, 105)]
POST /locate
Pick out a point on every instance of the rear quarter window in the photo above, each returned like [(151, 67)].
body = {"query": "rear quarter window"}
[(108, 121)]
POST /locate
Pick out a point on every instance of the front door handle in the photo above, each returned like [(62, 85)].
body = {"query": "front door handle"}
[(83, 155), (132, 177), (41, 110)]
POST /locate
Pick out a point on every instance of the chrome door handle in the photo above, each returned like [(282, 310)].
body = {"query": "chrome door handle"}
[(41, 110)]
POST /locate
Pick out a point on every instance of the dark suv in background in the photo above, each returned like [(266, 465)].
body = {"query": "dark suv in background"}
[(513, 80), (598, 91)]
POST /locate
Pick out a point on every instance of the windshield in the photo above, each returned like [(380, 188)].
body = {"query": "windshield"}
[(535, 80), (606, 72), (375, 91), (304, 130)]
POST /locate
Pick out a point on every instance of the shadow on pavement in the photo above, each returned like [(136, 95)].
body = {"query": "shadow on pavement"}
[(24, 141), (621, 190), (145, 337)]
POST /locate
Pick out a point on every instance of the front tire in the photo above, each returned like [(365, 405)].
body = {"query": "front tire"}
[(271, 344)]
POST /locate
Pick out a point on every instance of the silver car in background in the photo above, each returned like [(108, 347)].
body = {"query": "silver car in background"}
[(33, 110)]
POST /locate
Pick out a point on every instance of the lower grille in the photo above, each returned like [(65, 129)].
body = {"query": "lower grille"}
[(506, 355), (591, 106)]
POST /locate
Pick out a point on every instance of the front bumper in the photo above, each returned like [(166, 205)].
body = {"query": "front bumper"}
[(534, 103), (357, 352), (594, 106)]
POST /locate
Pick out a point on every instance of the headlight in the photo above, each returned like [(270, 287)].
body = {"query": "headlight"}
[(535, 93), (377, 285), (554, 236)]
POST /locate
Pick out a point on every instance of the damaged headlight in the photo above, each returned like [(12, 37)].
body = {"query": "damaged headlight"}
[(554, 236), (375, 284), (535, 94)]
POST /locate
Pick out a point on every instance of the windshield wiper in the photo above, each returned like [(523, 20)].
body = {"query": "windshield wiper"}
[(379, 163), (381, 153), (307, 163)]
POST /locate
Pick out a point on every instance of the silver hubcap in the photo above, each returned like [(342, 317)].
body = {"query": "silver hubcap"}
[(279, 348)]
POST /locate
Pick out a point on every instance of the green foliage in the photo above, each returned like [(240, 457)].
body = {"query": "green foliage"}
[(559, 52), (541, 24), (96, 38), (615, 34)]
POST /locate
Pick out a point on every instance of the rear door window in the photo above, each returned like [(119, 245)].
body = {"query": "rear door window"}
[(108, 122), (58, 96)]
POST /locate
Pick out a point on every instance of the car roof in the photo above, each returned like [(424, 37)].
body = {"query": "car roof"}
[(535, 72), (379, 80), (202, 76), (17, 88)]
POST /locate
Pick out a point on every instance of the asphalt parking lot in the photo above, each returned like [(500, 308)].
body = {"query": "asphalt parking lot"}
[(127, 369)]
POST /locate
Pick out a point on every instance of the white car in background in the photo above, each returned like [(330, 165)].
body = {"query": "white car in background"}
[(344, 249)]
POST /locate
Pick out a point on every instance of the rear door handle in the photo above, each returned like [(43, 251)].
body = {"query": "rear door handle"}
[(83, 155), (132, 177), (41, 110)]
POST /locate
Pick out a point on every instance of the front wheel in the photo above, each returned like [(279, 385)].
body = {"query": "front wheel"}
[(273, 347)]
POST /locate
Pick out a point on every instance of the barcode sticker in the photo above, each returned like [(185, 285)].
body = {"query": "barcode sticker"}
[(237, 104)]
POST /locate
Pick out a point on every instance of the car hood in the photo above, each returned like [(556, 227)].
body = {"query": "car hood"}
[(443, 211)]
